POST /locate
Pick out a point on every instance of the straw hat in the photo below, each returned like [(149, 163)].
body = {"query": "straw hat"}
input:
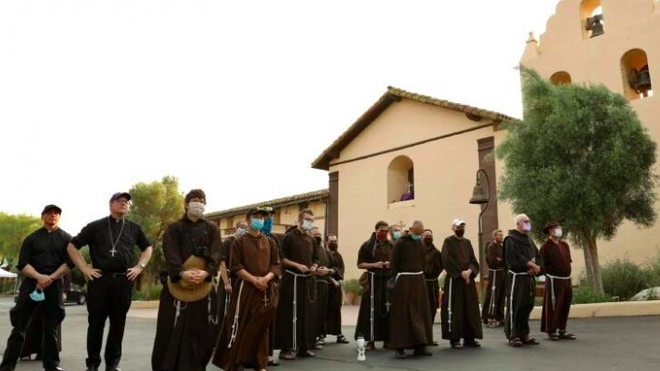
[(186, 292)]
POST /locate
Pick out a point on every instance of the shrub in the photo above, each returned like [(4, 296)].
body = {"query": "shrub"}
[(584, 294), (145, 294), (623, 279), (353, 286), (654, 271)]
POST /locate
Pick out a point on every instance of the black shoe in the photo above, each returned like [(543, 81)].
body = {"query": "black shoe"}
[(434, 344), (400, 354), (113, 368), (55, 369), (92, 368), (422, 351), (456, 344), (273, 363), (471, 344), (306, 354), (341, 339)]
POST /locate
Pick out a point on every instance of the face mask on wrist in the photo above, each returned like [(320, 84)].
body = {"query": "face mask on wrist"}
[(37, 295)]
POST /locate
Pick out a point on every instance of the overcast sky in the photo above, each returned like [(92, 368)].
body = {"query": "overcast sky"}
[(235, 97)]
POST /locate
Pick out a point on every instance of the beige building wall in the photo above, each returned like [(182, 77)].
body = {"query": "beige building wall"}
[(629, 24), (444, 175)]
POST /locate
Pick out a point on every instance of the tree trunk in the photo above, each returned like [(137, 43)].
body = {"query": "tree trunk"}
[(597, 278), (588, 263)]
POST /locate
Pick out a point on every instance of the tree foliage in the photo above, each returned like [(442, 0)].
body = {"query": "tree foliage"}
[(154, 206), (580, 156), (13, 230)]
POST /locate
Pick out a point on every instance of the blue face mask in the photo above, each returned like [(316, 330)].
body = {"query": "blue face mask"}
[(396, 235), (37, 295), (257, 224), (415, 237), (268, 225)]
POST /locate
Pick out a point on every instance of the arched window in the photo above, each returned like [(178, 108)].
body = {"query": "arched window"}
[(400, 180), (593, 24), (560, 78), (636, 75)]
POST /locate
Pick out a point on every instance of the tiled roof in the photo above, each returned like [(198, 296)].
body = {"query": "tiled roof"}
[(392, 95), (276, 203)]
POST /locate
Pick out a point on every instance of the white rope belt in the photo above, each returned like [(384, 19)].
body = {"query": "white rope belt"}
[(234, 326), (513, 286), (179, 305), (552, 287), (295, 306), (227, 299), (451, 283), (408, 274), (372, 275), (491, 309)]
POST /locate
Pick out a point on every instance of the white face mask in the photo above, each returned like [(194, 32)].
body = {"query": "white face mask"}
[(307, 225), (558, 232), (196, 209)]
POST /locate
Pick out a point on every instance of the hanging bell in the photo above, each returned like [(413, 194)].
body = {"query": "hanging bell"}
[(640, 80), (595, 25), (479, 194)]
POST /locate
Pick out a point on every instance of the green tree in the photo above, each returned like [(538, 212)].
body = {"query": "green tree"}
[(580, 156), (154, 206), (13, 230)]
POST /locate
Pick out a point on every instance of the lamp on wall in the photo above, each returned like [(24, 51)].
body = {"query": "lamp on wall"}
[(595, 25), (481, 197)]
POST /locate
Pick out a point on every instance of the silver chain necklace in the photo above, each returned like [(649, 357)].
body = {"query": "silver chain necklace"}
[(115, 243)]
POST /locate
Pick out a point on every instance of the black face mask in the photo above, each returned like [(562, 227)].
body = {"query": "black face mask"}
[(460, 232), (332, 246), (318, 240), (428, 240)]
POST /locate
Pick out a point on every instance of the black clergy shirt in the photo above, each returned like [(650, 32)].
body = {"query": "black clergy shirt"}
[(45, 251), (100, 236)]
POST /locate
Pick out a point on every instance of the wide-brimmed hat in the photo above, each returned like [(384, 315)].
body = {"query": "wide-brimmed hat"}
[(550, 225), (186, 292)]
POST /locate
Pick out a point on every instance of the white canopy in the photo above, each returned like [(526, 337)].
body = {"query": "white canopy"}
[(5, 274)]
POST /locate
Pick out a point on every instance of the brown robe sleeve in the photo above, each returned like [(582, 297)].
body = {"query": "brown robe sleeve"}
[(397, 254), (275, 267), (172, 251), (449, 255), (474, 263), (213, 262), (338, 266)]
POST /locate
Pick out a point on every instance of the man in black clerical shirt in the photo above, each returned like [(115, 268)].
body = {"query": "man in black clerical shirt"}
[(43, 260), (111, 243)]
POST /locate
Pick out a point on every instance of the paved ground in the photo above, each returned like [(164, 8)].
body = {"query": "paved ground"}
[(605, 344)]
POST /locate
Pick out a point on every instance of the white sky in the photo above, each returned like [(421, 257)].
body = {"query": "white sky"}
[(235, 97)]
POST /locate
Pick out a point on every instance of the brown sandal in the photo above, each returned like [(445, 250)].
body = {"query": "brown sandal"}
[(553, 337), (567, 336), (515, 343), (531, 341)]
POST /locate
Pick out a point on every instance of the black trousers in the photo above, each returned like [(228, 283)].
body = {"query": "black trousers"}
[(107, 297), (52, 314)]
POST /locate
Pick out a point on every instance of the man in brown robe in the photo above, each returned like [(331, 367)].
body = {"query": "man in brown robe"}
[(558, 288), (523, 262), (297, 311), (225, 285), (460, 302), (322, 287), (432, 269), (410, 318), (186, 330), (256, 264), (335, 293), (493, 308), (373, 316)]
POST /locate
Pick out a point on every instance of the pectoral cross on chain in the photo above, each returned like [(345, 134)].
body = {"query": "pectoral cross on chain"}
[(114, 244), (388, 305), (265, 300)]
